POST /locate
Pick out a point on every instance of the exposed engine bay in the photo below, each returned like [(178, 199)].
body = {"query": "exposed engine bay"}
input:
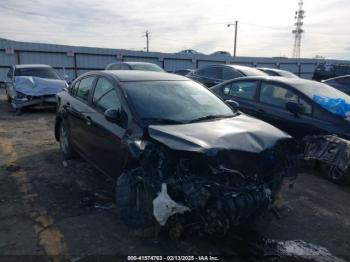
[(210, 192)]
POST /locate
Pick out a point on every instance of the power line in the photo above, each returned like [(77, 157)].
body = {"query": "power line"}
[(265, 26), (298, 31)]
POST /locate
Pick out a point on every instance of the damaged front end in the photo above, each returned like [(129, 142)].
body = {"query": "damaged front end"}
[(20, 100), (211, 191), (29, 91)]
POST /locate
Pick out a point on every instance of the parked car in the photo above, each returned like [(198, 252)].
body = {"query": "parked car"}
[(143, 66), (326, 71), (183, 72), (33, 85), (341, 83), (221, 53), (173, 147), (299, 107), (277, 72), (189, 51), (214, 74)]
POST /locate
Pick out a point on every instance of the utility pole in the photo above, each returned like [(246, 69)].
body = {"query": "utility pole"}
[(298, 31), (147, 35), (235, 42)]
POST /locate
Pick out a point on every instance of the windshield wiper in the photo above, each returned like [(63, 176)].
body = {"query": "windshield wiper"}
[(209, 117), (162, 120)]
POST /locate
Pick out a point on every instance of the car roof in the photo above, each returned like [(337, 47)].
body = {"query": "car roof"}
[(247, 70), (32, 66), (281, 79), (133, 63), (136, 75), (335, 78), (272, 69)]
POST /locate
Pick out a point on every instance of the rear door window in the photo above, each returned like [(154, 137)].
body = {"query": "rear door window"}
[(343, 80), (211, 72), (84, 88), (278, 96), (244, 89)]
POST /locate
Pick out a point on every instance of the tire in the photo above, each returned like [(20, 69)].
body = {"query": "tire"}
[(335, 175), (65, 145), (7, 96), (134, 201)]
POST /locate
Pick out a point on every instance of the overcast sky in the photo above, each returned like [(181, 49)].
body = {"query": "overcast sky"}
[(264, 25)]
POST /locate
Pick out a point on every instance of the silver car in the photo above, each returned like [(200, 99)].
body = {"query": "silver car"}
[(33, 85)]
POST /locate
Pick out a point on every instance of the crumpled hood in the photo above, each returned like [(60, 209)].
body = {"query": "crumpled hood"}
[(243, 133), (36, 86)]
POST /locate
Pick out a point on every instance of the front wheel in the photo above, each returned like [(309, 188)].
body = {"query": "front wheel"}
[(134, 201), (8, 96), (335, 174)]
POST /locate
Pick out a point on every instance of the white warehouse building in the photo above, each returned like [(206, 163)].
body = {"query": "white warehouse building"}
[(75, 60)]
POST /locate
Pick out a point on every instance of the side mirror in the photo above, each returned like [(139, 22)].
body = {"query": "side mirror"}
[(233, 104), (295, 108), (115, 116)]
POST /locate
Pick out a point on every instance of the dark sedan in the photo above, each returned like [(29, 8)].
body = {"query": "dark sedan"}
[(173, 147), (277, 72), (215, 74), (143, 66), (341, 83), (297, 106)]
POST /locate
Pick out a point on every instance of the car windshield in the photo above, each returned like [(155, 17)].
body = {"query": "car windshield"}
[(37, 72), (176, 101), (147, 67)]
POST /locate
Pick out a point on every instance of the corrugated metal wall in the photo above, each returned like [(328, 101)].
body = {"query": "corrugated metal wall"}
[(74, 60)]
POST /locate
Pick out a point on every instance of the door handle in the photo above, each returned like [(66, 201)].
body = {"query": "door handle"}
[(88, 120)]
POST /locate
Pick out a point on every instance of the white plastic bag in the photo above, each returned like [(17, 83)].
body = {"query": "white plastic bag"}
[(164, 207)]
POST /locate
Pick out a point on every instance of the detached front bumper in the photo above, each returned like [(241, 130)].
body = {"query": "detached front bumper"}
[(34, 101)]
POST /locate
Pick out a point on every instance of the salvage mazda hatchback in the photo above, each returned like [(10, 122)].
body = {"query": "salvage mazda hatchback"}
[(179, 155)]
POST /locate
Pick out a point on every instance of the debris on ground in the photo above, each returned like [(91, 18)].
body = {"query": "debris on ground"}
[(255, 247), (329, 149), (299, 250), (104, 206), (12, 168)]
